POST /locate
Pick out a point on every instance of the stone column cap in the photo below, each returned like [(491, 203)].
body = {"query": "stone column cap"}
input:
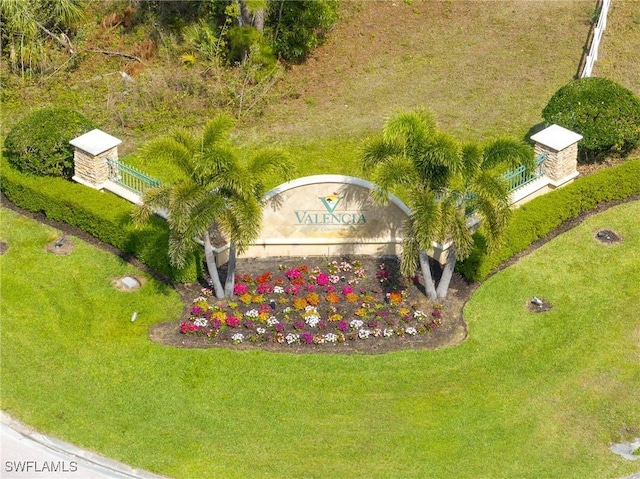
[(95, 142), (556, 137)]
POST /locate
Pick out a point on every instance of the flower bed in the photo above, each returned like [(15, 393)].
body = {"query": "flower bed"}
[(336, 303)]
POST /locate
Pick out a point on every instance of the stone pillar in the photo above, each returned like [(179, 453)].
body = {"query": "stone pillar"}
[(561, 147), (91, 152)]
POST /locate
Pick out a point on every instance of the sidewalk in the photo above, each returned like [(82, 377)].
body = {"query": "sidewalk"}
[(27, 454)]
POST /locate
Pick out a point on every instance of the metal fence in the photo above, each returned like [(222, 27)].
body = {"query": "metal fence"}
[(130, 178), (520, 177)]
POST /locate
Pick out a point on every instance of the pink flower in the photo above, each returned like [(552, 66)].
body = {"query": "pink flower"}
[(232, 321), (347, 290), (240, 289), (322, 279)]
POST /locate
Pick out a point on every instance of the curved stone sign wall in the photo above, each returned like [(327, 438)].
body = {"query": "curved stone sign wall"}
[(328, 215)]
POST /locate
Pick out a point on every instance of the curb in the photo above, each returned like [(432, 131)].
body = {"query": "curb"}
[(107, 466)]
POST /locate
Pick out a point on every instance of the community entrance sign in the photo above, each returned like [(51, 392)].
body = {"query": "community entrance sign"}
[(328, 215)]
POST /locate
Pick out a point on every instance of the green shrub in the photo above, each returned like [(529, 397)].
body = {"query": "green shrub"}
[(539, 217), (102, 215), (39, 143), (299, 27), (606, 114)]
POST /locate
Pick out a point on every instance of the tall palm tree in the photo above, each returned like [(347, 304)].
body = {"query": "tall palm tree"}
[(218, 189), (447, 186)]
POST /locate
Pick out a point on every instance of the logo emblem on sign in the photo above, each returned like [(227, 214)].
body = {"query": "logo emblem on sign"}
[(330, 202)]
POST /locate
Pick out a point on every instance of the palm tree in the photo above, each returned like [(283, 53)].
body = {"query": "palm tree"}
[(448, 186), (218, 190), (24, 22)]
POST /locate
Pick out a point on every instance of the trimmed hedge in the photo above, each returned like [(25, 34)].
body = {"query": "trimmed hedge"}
[(102, 215), (539, 217)]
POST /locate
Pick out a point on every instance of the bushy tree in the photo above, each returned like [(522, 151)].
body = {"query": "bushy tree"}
[(39, 143), (605, 113), (299, 26)]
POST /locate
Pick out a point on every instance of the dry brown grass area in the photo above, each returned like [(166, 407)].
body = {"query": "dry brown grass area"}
[(484, 67), (618, 57)]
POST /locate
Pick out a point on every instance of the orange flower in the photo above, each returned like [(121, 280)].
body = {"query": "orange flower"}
[(313, 299), (352, 298), (395, 298), (333, 298), (299, 303)]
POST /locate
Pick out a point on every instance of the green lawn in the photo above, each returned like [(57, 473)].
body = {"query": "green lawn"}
[(528, 395)]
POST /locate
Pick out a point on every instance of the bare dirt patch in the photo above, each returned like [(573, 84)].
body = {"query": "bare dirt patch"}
[(608, 236), (4, 246), (61, 246)]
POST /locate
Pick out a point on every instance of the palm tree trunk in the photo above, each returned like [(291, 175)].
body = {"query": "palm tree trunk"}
[(447, 273), (231, 272), (211, 266), (429, 288)]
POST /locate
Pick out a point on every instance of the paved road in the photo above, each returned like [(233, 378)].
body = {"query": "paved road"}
[(27, 454)]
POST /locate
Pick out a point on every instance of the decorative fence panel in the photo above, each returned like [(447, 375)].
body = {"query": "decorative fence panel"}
[(130, 178), (520, 177)]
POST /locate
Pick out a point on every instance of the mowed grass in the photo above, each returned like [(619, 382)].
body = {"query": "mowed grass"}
[(527, 395)]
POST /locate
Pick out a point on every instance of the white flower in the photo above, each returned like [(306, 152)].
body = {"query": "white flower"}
[(411, 330), (331, 337), (356, 323), (252, 313), (292, 338), (387, 333), (364, 333), (419, 314), (237, 338), (278, 289), (260, 330), (201, 322), (272, 321), (312, 320), (199, 298)]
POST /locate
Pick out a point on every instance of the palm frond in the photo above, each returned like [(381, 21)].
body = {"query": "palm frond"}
[(471, 160), (268, 163), (169, 149), (217, 131), (508, 153), (410, 249), (409, 129), (395, 173), (375, 151), (425, 218)]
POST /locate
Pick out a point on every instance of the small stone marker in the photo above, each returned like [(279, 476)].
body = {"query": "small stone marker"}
[(130, 282)]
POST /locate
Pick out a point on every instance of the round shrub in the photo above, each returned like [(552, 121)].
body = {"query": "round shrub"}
[(606, 114), (39, 143)]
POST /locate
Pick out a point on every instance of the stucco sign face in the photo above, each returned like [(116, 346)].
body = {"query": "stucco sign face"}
[(330, 215)]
